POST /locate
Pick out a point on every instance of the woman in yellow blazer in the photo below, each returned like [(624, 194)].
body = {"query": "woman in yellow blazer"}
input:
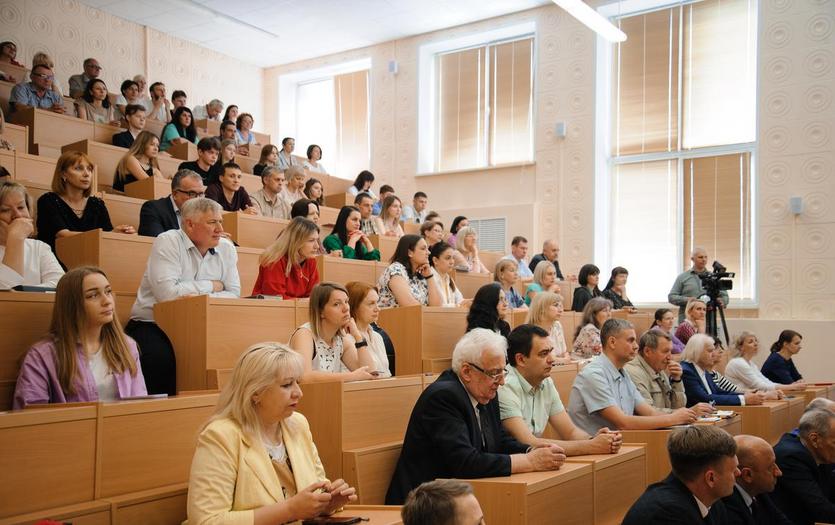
[(256, 462)]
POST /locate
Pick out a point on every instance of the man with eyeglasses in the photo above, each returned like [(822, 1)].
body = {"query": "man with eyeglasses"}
[(454, 430), (161, 215), (78, 83), (38, 93)]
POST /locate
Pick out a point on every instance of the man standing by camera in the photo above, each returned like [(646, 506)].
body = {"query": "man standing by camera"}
[(689, 284)]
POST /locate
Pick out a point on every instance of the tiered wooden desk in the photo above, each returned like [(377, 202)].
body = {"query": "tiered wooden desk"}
[(469, 282), (183, 151), (563, 377), (386, 244), (343, 271), (148, 189), (768, 421), (374, 514), (52, 130), (18, 136), (252, 231), (423, 336), (796, 404), (34, 168), (339, 200), (327, 216)]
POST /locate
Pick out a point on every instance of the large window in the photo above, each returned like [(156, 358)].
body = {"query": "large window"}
[(682, 139)]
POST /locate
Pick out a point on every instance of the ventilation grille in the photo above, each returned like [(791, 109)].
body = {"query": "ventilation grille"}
[(491, 233)]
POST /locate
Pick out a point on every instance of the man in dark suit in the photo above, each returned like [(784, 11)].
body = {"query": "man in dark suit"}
[(805, 456), (455, 431), (163, 214), (135, 118), (750, 504), (704, 462), (550, 252)]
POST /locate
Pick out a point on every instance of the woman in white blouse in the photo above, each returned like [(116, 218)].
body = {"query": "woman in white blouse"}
[(314, 156), (545, 312), (23, 261), (362, 297), (443, 263), (389, 220), (745, 373)]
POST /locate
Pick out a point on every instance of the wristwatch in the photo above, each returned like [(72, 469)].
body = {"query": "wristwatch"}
[(361, 343)]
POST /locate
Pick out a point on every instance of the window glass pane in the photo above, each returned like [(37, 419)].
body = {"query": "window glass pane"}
[(315, 122), (351, 109), (460, 110), (511, 121)]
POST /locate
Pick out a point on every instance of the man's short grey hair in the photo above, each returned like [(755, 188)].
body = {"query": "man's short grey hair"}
[(475, 344), (199, 206), (696, 250), (547, 243), (612, 328), (182, 174), (817, 421), (820, 403), (215, 102), (651, 339)]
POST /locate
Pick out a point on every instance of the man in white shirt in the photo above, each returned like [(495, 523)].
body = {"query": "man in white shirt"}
[(418, 210), (158, 107), (518, 251), (194, 260), (210, 111)]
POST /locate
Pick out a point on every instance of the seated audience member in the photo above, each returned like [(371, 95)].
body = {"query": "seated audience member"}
[(269, 158), (432, 232), (588, 279), (140, 162), (163, 214), (228, 153), (227, 132), (745, 373), (550, 252), (805, 457), (231, 113), (37, 93), (615, 290), (362, 184), (180, 130), (454, 430), (41, 58), (751, 503), (466, 256), (78, 83), (93, 104), (288, 266), (294, 190), (210, 111), (255, 460), (135, 118), (505, 274), (443, 501), (529, 401), (432, 216), (385, 191), (545, 312), (70, 207), (697, 359), (347, 237), (726, 384), (243, 132), (518, 250), (443, 263), (489, 310), (458, 223), (142, 83), (664, 321), (323, 342), (86, 355), (208, 150), (779, 367), (704, 467), (178, 100), (129, 96), (544, 279), (417, 211), (229, 193), (310, 210), (157, 106), (658, 377), (694, 320), (314, 191), (364, 203), (363, 298), (8, 53), (587, 342), (314, 158), (389, 219), (23, 261), (408, 280), (268, 200), (604, 395), (193, 260), (285, 156)]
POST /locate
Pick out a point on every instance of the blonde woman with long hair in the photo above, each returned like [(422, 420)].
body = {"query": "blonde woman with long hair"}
[(389, 220), (140, 162), (545, 312), (288, 266), (745, 373), (506, 273), (255, 460), (86, 356)]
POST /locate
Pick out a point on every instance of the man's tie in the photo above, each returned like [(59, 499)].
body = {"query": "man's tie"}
[(488, 442)]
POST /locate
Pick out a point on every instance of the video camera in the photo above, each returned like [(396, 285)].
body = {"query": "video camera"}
[(716, 281)]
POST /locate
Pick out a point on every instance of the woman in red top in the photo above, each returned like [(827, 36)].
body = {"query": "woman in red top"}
[(288, 266)]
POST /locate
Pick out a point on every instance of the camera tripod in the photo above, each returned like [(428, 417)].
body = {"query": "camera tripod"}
[(711, 327)]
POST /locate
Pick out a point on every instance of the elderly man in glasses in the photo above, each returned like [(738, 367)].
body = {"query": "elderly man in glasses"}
[(38, 93), (78, 83), (455, 430), (163, 214)]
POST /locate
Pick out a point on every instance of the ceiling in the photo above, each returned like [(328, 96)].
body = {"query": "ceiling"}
[(274, 32)]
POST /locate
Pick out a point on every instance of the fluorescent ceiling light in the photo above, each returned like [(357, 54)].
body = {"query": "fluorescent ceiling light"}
[(592, 19)]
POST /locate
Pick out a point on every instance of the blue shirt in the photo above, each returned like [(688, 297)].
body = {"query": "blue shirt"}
[(600, 385), (25, 93), (523, 270)]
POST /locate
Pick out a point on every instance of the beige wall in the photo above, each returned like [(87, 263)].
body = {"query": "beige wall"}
[(70, 32)]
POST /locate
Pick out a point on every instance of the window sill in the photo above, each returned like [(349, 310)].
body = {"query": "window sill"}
[(524, 164)]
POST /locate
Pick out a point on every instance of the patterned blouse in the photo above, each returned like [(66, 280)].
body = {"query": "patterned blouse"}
[(326, 358), (558, 340), (418, 286), (587, 343)]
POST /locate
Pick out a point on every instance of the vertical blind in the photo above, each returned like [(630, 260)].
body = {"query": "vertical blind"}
[(351, 106)]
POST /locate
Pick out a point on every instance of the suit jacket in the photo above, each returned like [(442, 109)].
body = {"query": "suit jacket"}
[(670, 502), (695, 391), (232, 474), (803, 492), (123, 139), (443, 440), (157, 216), (767, 512)]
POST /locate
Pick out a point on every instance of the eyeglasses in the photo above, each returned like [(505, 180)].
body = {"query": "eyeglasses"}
[(44, 76), (94, 66), (495, 376), (191, 194)]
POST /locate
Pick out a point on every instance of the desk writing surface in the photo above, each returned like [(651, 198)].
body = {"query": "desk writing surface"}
[(376, 514)]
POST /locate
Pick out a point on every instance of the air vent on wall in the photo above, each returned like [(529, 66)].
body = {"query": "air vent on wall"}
[(491, 233)]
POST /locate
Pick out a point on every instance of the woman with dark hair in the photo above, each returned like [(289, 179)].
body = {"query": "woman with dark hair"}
[(362, 184), (665, 320), (433, 232), (443, 263), (457, 223), (409, 280), (94, 106), (129, 96), (231, 113), (347, 237), (243, 130), (314, 156), (314, 190), (181, 129), (779, 367), (269, 157), (587, 342), (589, 278), (615, 290), (489, 309), (285, 156)]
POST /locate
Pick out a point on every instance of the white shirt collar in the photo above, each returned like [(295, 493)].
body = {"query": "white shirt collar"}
[(702, 377), (704, 510), (747, 498)]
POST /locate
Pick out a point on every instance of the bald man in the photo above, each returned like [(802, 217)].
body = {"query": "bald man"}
[(750, 503), (550, 252), (688, 284)]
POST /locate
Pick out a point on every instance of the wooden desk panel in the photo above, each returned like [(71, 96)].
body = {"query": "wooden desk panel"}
[(168, 165), (183, 151), (375, 514), (103, 133), (96, 512), (250, 182), (262, 139), (122, 257), (327, 216), (34, 168), (768, 421), (469, 282), (123, 210), (338, 200), (488, 258), (563, 377), (343, 271), (813, 392), (211, 127), (6, 94), (369, 470), (421, 333), (19, 73), (253, 231), (148, 189), (248, 269), (386, 244), (7, 160), (796, 405), (51, 129), (18, 136), (159, 505)]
